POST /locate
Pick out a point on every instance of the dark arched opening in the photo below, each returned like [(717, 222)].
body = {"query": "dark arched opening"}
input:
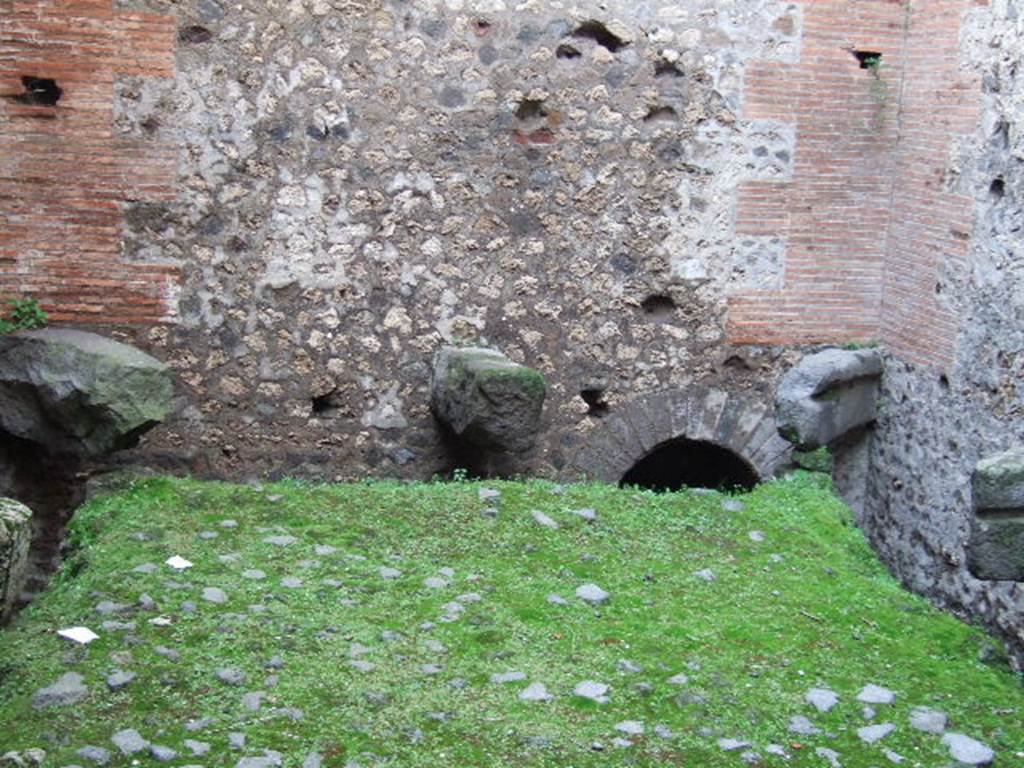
[(683, 463)]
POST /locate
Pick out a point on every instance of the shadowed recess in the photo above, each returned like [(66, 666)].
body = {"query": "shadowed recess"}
[(684, 463)]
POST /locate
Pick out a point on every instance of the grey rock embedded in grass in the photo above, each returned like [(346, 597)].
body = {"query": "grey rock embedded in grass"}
[(593, 594), (630, 667), (291, 582), (387, 572), (313, 760), (199, 724), (557, 599), (706, 574), (732, 745), (733, 505), (630, 727), (802, 726), (228, 523), (535, 692), (822, 699), (252, 701), (507, 677), (215, 595), (231, 676), (69, 688), (876, 694), (324, 550), (869, 734), (830, 755), (680, 679), (254, 574), (541, 519), (280, 540), (488, 494), (928, 720), (587, 514), (119, 679), (966, 750), (236, 740), (362, 666), (97, 755), (145, 568), (129, 741), (435, 582), (162, 754), (168, 653), (197, 748), (756, 536), (594, 691)]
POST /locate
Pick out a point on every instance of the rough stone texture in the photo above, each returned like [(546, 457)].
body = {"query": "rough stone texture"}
[(996, 547), (935, 425), (68, 689), (486, 399), (79, 393), (15, 538), (826, 395), (356, 189), (360, 188)]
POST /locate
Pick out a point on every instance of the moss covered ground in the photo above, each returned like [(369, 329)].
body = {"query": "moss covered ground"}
[(391, 671)]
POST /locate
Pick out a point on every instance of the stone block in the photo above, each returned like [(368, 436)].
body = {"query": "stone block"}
[(15, 538), (996, 548), (826, 395), (78, 393), (486, 399)]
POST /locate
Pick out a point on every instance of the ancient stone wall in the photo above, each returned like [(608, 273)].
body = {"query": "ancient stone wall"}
[(937, 424), (640, 200)]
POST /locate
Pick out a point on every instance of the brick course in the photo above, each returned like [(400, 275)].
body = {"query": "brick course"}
[(64, 176), (866, 217)]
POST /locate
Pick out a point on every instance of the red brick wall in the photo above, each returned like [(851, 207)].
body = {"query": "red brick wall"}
[(930, 226), (866, 217), (64, 175)]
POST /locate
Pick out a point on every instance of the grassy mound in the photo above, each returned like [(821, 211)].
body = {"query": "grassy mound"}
[(378, 667)]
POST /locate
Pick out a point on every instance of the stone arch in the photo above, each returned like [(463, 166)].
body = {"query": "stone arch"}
[(738, 422)]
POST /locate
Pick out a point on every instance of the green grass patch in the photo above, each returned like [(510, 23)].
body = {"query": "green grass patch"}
[(808, 606)]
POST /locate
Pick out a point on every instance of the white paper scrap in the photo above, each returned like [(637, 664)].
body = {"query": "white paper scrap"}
[(160, 621), (82, 635), (179, 563)]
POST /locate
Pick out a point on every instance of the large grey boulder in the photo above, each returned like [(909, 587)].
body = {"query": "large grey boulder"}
[(996, 548), (78, 393), (486, 399), (826, 395), (15, 538)]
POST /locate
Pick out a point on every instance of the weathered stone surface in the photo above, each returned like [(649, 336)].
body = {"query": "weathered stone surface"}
[(15, 538), (486, 399), (826, 395), (998, 481), (968, 751), (996, 548), (68, 689), (79, 393)]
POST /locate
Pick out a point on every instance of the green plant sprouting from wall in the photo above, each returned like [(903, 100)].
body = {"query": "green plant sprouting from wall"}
[(22, 314)]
